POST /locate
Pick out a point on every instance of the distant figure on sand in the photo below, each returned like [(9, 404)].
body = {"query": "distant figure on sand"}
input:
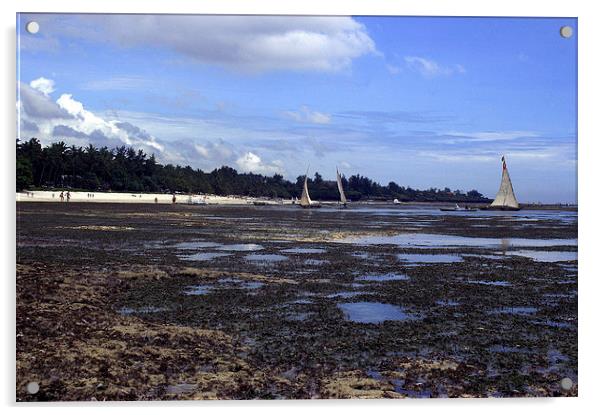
[(156, 200), (173, 199), (68, 196), (62, 196)]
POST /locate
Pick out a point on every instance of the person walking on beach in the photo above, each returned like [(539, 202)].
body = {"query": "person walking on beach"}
[(62, 196), (68, 196), (173, 199)]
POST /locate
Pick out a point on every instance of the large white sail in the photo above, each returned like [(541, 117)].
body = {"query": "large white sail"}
[(505, 196), (340, 186), (305, 200)]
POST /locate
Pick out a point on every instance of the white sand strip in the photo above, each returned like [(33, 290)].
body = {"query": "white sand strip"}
[(110, 197)]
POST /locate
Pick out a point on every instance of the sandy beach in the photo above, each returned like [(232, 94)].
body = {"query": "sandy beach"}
[(115, 197)]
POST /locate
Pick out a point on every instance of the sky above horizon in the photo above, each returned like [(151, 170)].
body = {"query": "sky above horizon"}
[(425, 102)]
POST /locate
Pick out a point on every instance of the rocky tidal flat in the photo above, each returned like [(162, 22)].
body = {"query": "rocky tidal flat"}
[(164, 302)]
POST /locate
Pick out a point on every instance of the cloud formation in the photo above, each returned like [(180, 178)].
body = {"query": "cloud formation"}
[(241, 43), (45, 86), (307, 115), (66, 118), (252, 163), (429, 68)]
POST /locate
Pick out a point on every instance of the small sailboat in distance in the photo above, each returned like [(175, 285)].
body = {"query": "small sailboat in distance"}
[(341, 191), (505, 198), (305, 201)]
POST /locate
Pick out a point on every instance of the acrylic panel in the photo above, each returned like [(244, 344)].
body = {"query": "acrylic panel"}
[(295, 207)]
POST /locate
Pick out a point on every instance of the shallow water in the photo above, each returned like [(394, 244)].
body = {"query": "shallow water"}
[(298, 316), (302, 301), (304, 251), (547, 256), (367, 312), (384, 277), (431, 240), (507, 349), (265, 257), (241, 247), (520, 310), (430, 258), (251, 285), (126, 311), (198, 290), (196, 245), (204, 256), (346, 294), (315, 261), (447, 303)]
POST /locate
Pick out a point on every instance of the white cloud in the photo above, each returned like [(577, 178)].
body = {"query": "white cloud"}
[(68, 119), (35, 104), (202, 150), (307, 115), (45, 86), (394, 69), (242, 43), (491, 135), (218, 151), (251, 162), (430, 69)]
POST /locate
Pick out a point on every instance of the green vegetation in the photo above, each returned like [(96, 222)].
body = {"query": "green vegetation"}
[(125, 169)]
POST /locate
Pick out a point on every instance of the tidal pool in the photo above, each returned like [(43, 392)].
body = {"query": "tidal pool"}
[(197, 290), (265, 257), (520, 310), (384, 277), (304, 251), (367, 312), (547, 256), (126, 311), (346, 294), (430, 240), (241, 247), (448, 303), (315, 261), (197, 245), (203, 256), (430, 258)]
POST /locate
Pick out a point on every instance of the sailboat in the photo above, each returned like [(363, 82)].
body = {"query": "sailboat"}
[(305, 201), (454, 209), (505, 198), (457, 208), (341, 191)]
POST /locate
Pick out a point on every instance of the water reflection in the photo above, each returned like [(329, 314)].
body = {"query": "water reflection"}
[(367, 312)]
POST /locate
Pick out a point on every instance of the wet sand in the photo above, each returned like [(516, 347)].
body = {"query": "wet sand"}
[(141, 302)]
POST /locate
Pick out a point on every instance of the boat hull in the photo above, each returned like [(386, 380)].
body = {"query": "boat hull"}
[(458, 210), (504, 208)]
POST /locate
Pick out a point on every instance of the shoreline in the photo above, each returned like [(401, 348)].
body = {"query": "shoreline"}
[(165, 198)]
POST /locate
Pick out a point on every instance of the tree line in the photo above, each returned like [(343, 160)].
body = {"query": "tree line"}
[(123, 169)]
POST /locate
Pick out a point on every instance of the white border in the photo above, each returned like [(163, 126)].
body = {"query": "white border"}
[(590, 207)]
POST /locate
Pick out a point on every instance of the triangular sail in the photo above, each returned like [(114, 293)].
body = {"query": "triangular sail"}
[(505, 196), (305, 200), (340, 186)]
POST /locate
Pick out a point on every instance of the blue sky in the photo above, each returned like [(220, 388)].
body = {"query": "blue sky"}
[(425, 102)]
